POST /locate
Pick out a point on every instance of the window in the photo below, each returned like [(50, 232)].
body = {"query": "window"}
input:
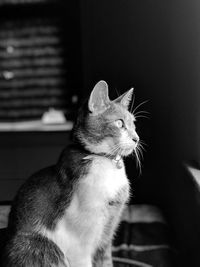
[(39, 58)]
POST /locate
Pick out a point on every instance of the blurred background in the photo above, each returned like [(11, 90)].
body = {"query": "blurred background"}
[(51, 55)]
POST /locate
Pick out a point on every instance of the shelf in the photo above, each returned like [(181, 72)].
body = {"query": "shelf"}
[(34, 126)]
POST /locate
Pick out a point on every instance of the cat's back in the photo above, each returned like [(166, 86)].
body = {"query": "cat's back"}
[(34, 199), (45, 195)]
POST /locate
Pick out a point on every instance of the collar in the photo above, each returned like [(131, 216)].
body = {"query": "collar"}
[(117, 160)]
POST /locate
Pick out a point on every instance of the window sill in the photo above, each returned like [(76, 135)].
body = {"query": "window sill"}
[(35, 126)]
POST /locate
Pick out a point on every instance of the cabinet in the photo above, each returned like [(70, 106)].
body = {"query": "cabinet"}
[(23, 153), (40, 68)]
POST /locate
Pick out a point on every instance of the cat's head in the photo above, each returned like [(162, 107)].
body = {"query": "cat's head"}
[(107, 127)]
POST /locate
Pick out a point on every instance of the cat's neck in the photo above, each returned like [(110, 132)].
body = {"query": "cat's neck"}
[(116, 159)]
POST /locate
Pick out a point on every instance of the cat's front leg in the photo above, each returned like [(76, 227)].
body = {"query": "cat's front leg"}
[(103, 257), (80, 262)]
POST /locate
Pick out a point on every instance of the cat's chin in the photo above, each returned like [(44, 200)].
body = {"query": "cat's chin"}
[(127, 152)]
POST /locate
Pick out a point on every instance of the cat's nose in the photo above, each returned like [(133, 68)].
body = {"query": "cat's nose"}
[(135, 138)]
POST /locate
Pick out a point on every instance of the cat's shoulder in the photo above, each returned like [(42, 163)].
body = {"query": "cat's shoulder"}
[(72, 159)]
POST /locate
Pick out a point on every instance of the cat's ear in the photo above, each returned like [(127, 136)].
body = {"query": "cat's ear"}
[(125, 99), (99, 100)]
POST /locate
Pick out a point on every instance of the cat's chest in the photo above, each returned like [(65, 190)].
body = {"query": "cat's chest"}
[(103, 181), (81, 229)]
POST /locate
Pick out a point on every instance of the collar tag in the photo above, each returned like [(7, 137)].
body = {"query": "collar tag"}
[(118, 161)]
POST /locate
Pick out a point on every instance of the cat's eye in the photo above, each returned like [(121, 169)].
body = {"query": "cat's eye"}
[(119, 123)]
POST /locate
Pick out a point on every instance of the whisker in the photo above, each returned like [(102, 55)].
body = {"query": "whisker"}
[(116, 147), (141, 156), (132, 104), (118, 93), (138, 163), (140, 105), (142, 142), (141, 116), (120, 150), (141, 147), (141, 112), (114, 150)]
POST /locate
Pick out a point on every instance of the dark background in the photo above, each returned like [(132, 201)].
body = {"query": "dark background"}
[(154, 46)]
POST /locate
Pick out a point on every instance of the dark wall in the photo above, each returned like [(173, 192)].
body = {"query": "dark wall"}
[(127, 45), (153, 46), (185, 80)]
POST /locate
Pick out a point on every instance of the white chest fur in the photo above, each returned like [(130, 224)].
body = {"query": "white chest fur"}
[(81, 229), (103, 180)]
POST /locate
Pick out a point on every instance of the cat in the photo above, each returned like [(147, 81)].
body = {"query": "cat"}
[(66, 215)]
